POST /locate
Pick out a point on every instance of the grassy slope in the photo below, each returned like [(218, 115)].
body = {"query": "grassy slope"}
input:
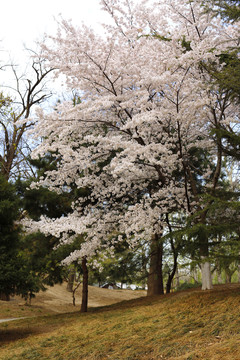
[(188, 325), (58, 300)]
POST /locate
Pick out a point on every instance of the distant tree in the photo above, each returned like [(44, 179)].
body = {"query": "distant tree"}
[(28, 91)]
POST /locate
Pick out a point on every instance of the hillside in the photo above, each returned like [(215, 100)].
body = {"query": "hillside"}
[(186, 325), (58, 300)]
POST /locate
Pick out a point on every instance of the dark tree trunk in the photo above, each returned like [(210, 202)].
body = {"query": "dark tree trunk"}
[(172, 273), (4, 297), (84, 285), (155, 276), (175, 256)]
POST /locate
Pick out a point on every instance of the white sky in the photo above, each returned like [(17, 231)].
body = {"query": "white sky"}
[(25, 21)]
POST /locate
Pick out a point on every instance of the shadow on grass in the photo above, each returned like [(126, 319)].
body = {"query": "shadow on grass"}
[(9, 335), (21, 329)]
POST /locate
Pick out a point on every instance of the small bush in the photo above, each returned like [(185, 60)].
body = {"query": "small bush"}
[(186, 285)]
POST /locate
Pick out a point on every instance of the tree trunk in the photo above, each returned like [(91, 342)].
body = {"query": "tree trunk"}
[(75, 289), (84, 285), (206, 274), (228, 277), (71, 278), (177, 278), (219, 277), (172, 273), (155, 276), (205, 264), (170, 278)]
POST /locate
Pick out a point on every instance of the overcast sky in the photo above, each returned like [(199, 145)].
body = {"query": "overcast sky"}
[(24, 21)]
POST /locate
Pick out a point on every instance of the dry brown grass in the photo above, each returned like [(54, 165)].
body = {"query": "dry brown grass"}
[(58, 300), (185, 326)]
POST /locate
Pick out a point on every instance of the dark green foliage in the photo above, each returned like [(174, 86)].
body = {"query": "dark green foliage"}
[(125, 267), (221, 229), (9, 264), (186, 45), (41, 260), (230, 142), (41, 254), (226, 255), (28, 262), (228, 78), (40, 201), (14, 275), (229, 10), (187, 285)]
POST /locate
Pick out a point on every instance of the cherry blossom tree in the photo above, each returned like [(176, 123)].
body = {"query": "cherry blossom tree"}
[(140, 140)]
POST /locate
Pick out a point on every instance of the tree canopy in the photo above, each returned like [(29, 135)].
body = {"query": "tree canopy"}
[(144, 138)]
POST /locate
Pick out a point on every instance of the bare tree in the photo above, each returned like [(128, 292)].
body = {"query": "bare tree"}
[(28, 91)]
